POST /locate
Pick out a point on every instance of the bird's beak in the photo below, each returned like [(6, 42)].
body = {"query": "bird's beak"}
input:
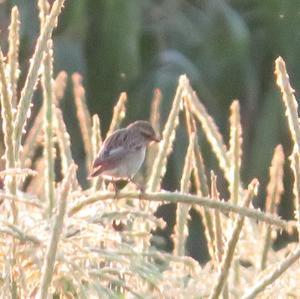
[(156, 139)]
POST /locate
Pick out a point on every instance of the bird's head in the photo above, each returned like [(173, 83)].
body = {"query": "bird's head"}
[(145, 129)]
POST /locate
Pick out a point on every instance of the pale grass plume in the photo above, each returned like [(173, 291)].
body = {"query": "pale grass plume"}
[(44, 7), (290, 102), (13, 53), (59, 86), (235, 151), (182, 211), (10, 182), (49, 150), (210, 129), (96, 133), (168, 136), (274, 192), (96, 143), (34, 137), (61, 132), (119, 114), (155, 123), (84, 117), (200, 178), (33, 140), (31, 79), (8, 131), (218, 246), (202, 190), (97, 244), (155, 110), (295, 165)]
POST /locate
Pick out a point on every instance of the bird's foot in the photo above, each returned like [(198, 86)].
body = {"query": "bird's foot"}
[(117, 191), (140, 188)]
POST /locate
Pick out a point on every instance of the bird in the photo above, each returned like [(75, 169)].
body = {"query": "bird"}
[(123, 152)]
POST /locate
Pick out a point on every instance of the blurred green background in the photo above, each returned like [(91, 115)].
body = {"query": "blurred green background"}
[(227, 49)]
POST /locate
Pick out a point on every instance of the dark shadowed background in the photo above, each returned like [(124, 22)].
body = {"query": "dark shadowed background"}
[(227, 49)]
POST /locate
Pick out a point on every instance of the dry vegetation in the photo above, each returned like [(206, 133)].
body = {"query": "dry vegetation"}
[(59, 240)]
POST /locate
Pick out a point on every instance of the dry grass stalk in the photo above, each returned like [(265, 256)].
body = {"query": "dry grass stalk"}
[(168, 136), (118, 114), (217, 221), (235, 151), (8, 131), (268, 279), (31, 79), (200, 178), (295, 164), (289, 100), (10, 182), (48, 104), (96, 143), (274, 192), (64, 142), (20, 200), (155, 122), (84, 117), (13, 53), (231, 244), (15, 232), (155, 110), (48, 266), (182, 211), (63, 137), (59, 86), (210, 129), (94, 257), (48, 128), (218, 246), (17, 172), (34, 136)]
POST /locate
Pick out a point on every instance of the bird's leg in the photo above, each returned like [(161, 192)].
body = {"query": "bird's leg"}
[(116, 188), (141, 188)]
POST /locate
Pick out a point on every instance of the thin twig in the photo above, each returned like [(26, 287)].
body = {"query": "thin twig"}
[(175, 197)]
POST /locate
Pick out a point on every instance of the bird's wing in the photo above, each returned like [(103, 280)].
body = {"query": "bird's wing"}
[(116, 147)]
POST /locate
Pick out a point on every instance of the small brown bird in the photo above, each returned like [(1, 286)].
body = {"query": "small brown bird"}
[(123, 152)]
